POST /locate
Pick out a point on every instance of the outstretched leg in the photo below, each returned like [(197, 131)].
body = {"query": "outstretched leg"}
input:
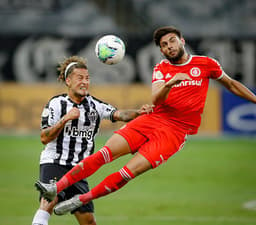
[(115, 147), (137, 165), (85, 168)]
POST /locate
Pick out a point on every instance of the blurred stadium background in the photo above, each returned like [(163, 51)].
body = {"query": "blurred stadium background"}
[(36, 35)]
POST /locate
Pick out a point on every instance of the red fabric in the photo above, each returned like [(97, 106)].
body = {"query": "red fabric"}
[(85, 168), (154, 138), (62, 184), (110, 184), (186, 100)]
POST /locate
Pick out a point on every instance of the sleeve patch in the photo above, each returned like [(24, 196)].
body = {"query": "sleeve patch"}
[(45, 112), (158, 75)]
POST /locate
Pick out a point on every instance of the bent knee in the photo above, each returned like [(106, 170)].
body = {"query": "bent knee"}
[(85, 218), (90, 221)]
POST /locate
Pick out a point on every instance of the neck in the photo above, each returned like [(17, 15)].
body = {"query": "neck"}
[(76, 99), (183, 59)]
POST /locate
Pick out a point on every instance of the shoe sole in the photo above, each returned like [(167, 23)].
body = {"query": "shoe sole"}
[(42, 190)]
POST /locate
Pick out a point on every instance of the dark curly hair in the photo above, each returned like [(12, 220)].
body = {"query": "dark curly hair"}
[(81, 63), (160, 32)]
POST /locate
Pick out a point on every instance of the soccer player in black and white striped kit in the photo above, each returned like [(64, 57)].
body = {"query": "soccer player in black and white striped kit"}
[(69, 123)]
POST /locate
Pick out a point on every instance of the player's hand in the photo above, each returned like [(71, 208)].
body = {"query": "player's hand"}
[(45, 205), (73, 113), (177, 79), (146, 109)]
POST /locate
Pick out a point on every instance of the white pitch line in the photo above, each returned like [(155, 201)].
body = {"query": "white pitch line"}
[(181, 218), (251, 205), (158, 219)]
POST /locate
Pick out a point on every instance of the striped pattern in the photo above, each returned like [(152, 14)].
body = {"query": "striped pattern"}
[(76, 140), (126, 174), (105, 153)]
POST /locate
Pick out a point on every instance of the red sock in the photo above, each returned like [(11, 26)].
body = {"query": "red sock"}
[(110, 184), (85, 168)]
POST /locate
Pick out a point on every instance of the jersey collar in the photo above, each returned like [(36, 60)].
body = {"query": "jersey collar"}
[(183, 64)]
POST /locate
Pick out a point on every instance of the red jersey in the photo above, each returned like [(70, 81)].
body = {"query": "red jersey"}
[(185, 102)]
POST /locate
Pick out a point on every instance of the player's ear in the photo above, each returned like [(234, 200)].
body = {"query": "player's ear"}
[(161, 51), (183, 41), (67, 81)]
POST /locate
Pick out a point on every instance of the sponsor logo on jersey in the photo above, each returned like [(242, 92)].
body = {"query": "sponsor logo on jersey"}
[(74, 132), (52, 113), (168, 76), (195, 72), (189, 83)]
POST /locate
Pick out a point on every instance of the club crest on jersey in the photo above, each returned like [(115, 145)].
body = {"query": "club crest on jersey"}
[(195, 72), (92, 115)]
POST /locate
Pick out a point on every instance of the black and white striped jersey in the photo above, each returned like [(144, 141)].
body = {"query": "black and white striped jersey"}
[(76, 141)]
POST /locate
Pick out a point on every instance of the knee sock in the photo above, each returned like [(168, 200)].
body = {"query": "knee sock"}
[(110, 184), (41, 217), (85, 168)]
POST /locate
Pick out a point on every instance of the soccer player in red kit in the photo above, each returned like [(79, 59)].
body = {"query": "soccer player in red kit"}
[(179, 88)]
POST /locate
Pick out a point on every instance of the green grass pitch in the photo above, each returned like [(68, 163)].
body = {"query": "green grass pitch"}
[(207, 183)]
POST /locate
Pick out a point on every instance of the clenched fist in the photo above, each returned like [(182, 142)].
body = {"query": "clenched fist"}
[(73, 113)]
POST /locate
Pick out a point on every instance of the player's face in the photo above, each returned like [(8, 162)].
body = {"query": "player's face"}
[(172, 47), (78, 82)]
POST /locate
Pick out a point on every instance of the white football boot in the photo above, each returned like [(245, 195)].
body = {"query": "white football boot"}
[(48, 191), (67, 206)]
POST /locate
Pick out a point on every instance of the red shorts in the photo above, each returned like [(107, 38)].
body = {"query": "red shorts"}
[(155, 139)]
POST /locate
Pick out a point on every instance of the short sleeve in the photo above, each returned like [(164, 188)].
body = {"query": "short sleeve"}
[(105, 110), (50, 114), (157, 75), (215, 69)]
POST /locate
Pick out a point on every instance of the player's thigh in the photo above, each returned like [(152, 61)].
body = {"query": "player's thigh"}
[(125, 140), (52, 172), (85, 218), (162, 145), (121, 145)]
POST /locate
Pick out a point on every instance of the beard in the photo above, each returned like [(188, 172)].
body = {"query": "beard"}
[(176, 58)]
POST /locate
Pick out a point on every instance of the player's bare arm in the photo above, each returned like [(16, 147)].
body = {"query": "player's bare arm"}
[(50, 133), (160, 90), (130, 114), (237, 88)]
